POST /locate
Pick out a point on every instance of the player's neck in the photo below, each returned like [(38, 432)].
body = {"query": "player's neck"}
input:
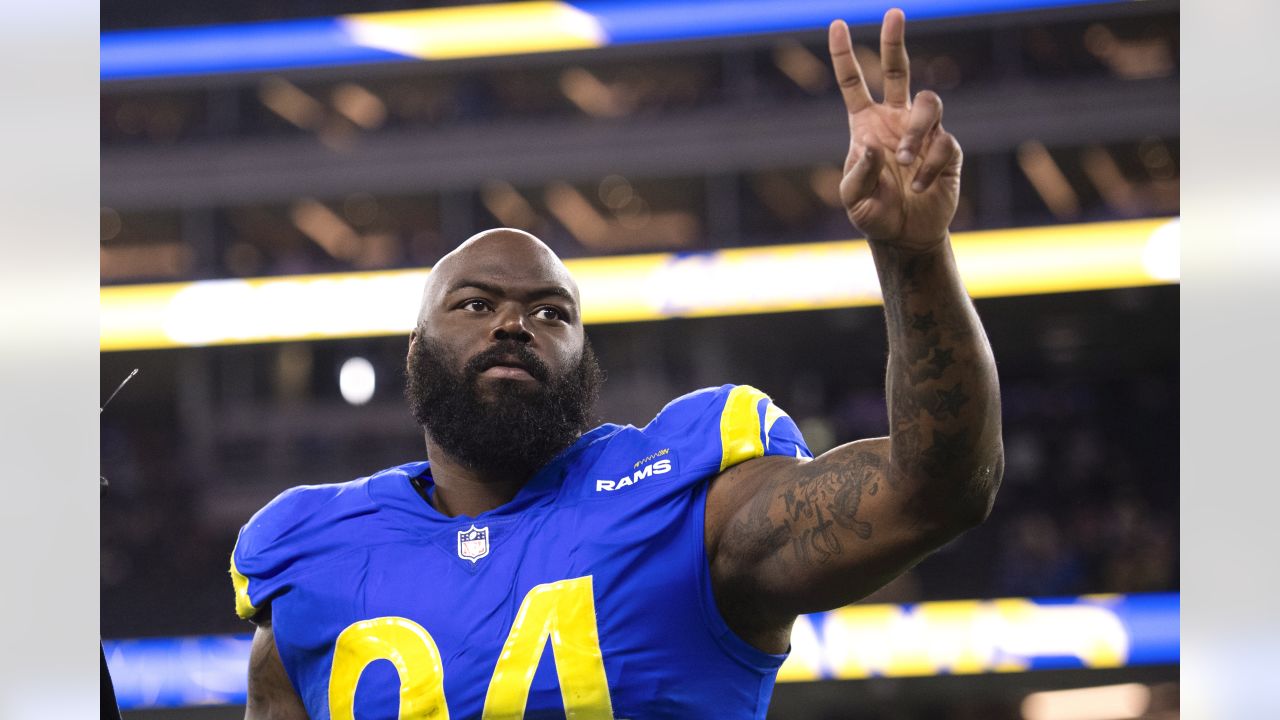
[(460, 490)]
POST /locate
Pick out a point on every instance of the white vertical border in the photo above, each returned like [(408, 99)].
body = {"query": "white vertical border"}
[(1230, 344), (49, 358)]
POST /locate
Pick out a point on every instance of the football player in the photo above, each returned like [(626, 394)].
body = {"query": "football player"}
[(533, 567)]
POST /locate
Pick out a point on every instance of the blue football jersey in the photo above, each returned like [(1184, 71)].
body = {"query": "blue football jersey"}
[(587, 596)]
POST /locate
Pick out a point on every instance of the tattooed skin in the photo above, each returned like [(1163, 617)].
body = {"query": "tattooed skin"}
[(949, 402), (941, 360), (807, 512), (923, 321), (942, 453), (937, 365), (946, 449), (931, 362)]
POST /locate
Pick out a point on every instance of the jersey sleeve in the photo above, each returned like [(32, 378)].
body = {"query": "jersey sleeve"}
[(282, 538), (722, 427)]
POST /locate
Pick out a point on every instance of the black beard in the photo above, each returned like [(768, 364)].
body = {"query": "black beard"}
[(520, 431)]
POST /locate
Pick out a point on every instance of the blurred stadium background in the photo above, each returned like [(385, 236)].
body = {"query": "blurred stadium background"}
[(277, 176)]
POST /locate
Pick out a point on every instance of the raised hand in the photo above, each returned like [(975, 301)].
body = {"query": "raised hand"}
[(902, 176)]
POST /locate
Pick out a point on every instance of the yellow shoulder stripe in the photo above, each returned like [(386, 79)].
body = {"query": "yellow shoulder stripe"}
[(771, 414), (244, 608), (740, 426)]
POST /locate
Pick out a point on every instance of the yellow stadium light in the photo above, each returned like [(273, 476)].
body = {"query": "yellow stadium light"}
[(780, 278)]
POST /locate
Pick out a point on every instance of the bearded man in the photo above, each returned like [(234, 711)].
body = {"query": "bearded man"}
[(533, 567)]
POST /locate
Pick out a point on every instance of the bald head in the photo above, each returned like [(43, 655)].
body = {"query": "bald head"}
[(501, 258)]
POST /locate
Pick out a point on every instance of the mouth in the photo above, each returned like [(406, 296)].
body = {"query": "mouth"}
[(507, 369)]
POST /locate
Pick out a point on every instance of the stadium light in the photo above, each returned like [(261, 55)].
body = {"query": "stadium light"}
[(357, 380), (1105, 702), (738, 281)]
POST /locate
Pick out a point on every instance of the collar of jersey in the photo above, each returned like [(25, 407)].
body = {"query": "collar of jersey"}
[(541, 489)]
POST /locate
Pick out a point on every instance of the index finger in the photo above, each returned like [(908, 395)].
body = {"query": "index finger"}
[(848, 72)]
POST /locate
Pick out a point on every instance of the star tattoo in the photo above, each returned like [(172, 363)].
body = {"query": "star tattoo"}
[(949, 401), (923, 322), (941, 359), (946, 449)]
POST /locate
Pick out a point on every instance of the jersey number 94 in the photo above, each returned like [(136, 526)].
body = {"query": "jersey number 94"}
[(563, 611)]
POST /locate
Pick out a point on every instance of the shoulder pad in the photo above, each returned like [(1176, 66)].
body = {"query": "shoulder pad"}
[(729, 425), (297, 526)]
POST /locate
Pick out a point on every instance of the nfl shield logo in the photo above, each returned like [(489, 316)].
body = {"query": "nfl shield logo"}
[(473, 543)]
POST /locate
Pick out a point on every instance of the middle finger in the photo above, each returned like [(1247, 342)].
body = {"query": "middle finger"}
[(893, 59)]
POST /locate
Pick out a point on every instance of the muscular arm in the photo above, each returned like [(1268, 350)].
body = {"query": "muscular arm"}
[(787, 536), (944, 448), (271, 695)]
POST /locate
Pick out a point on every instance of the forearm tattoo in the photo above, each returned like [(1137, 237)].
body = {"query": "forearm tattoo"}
[(938, 363)]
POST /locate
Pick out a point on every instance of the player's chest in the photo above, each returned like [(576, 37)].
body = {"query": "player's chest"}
[(509, 615)]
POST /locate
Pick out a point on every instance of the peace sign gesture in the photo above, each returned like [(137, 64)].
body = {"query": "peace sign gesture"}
[(907, 200)]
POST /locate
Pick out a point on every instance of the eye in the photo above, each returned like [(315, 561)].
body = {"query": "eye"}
[(548, 312), (475, 305)]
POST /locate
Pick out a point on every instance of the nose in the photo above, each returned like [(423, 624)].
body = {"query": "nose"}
[(510, 325)]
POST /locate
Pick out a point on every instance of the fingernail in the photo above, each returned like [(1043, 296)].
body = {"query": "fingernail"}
[(917, 186), (905, 157)]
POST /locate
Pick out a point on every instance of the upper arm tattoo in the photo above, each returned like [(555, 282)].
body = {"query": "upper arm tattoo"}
[(814, 514)]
